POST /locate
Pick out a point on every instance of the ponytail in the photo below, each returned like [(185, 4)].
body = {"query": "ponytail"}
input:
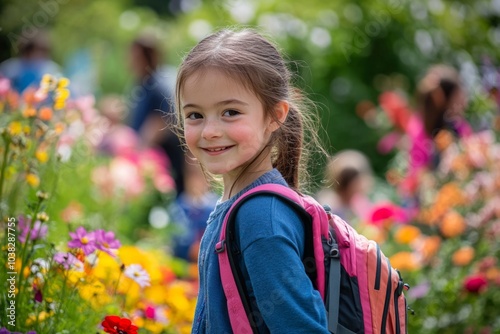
[(289, 146)]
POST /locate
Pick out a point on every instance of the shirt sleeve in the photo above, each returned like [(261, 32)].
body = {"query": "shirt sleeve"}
[(272, 245)]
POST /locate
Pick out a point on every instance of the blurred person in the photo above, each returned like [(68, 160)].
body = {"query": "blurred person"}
[(118, 138), (349, 181), (151, 113), (441, 102), (33, 62), (190, 211)]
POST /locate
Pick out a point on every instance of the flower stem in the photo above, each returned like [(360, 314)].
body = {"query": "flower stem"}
[(4, 166), (23, 250)]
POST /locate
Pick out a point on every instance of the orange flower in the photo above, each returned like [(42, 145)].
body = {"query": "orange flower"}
[(453, 224), (443, 140), (450, 195), (406, 234), (29, 112), (404, 261), (45, 114), (29, 96), (13, 99), (463, 256), (429, 247), (59, 128)]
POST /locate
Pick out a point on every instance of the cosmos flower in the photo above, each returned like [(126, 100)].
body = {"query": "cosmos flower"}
[(138, 274), (106, 241), (82, 239), (38, 231)]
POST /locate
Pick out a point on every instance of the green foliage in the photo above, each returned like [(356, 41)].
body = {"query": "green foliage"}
[(347, 51)]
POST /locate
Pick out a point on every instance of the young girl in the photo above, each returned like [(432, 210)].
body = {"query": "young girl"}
[(238, 114)]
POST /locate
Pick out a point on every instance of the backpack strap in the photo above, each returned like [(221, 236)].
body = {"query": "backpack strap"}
[(239, 306), (333, 297)]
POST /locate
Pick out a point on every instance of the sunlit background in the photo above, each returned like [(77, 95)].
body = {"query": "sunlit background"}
[(344, 52)]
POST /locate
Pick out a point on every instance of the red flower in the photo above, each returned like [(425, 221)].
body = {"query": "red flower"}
[(115, 325), (475, 283)]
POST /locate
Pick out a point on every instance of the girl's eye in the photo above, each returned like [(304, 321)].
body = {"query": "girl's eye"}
[(193, 115), (230, 112)]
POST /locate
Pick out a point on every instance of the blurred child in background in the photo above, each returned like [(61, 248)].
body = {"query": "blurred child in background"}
[(190, 210), (349, 180)]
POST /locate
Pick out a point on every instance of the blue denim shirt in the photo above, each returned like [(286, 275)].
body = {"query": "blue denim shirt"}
[(271, 241)]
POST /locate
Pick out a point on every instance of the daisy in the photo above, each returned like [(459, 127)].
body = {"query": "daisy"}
[(138, 274)]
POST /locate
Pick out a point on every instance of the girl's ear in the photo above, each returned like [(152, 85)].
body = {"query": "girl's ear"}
[(281, 111)]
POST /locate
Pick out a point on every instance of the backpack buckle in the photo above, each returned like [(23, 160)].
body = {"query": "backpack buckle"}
[(220, 246)]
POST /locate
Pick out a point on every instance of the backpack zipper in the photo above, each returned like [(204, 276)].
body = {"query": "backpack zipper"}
[(387, 297), (379, 269), (396, 310)]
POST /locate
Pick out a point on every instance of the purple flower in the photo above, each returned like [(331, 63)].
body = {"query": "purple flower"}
[(420, 290), (39, 230), (81, 239), (106, 242), (4, 330), (67, 260)]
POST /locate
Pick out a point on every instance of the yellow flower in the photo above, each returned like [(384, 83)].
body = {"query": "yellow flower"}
[(42, 156), (59, 105), (33, 180), (61, 95), (95, 292), (63, 83), (107, 268), (47, 83), (463, 256), (41, 317), (15, 128), (406, 234), (26, 130)]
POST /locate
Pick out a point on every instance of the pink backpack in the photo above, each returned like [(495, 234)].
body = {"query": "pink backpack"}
[(362, 292)]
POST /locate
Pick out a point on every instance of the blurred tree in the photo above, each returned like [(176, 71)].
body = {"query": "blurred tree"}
[(344, 52)]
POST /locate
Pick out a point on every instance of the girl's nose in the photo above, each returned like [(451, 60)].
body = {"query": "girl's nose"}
[(211, 129)]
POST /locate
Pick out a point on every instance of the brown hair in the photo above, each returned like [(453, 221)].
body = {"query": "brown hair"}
[(249, 57), (150, 52), (435, 94)]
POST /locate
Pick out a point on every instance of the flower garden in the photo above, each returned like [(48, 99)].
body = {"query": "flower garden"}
[(79, 254), (86, 236), (82, 252)]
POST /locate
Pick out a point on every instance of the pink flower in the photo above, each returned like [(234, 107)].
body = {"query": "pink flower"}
[(387, 212), (475, 283), (38, 231), (82, 239), (4, 87), (150, 312), (106, 241)]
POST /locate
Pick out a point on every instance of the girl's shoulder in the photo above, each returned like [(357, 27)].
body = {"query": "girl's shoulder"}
[(267, 216)]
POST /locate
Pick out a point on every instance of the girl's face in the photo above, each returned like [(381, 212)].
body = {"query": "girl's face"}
[(225, 125)]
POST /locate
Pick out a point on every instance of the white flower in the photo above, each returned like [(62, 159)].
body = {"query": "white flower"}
[(138, 274)]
